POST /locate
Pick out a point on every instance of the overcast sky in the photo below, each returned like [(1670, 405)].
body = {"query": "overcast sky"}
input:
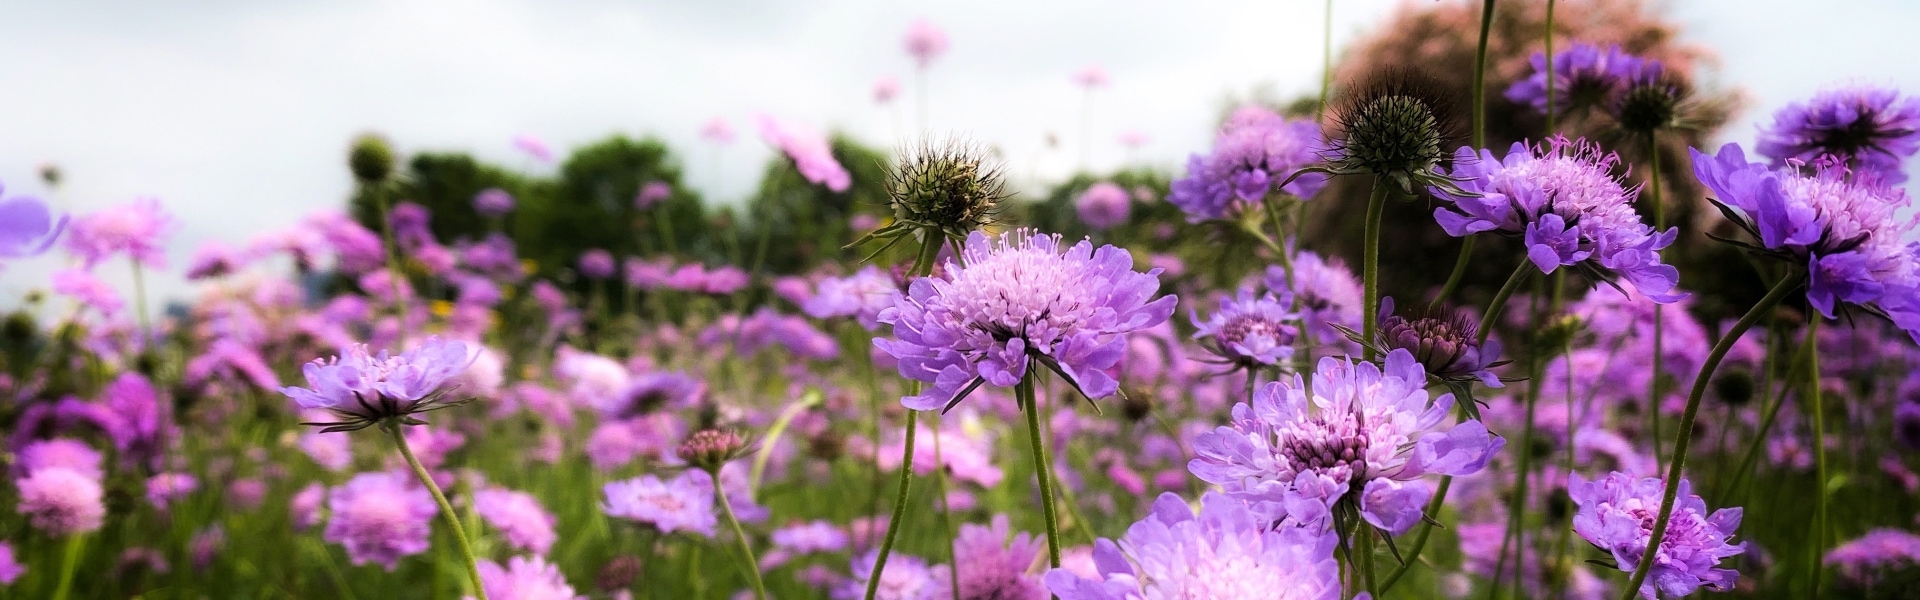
[(236, 113)]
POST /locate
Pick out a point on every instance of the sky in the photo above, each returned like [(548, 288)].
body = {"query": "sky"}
[(236, 114)]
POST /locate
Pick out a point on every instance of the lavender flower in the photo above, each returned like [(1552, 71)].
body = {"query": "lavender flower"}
[(1104, 205), (811, 152), (684, 503), (653, 392), (1325, 292), (59, 452), (27, 228), (1445, 346), (925, 42), (214, 259), (380, 517), (1563, 200), (518, 516), (1871, 129), (1866, 561), (525, 578), (493, 202), (88, 290), (596, 264), (812, 536), (651, 194), (10, 567), (362, 389), (862, 295), (1584, 76), (1255, 151), (135, 229), (1019, 300), (1855, 248), (1226, 552), (1616, 513), (164, 488), (905, 578), (61, 501), (1365, 434), (534, 147), (304, 508), (992, 565), (1249, 332)]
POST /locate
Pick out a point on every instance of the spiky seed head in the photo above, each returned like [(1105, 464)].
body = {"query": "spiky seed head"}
[(370, 158), (1650, 106), (949, 187), (1396, 125)]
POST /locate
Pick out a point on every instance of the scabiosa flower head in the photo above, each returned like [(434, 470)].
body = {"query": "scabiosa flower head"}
[(812, 536), (596, 263), (861, 295), (10, 567), (1867, 560), (1226, 552), (493, 202), (1563, 200), (1855, 248), (1444, 345), (1364, 434), (906, 577), (380, 517), (684, 503), (1616, 513), (1872, 129), (164, 488), (136, 229), (925, 42), (1395, 126), (1254, 153), (811, 152), (1016, 300), (214, 259), (651, 194), (1584, 76), (58, 452), (652, 392), (304, 508), (1104, 205), (525, 578), (370, 158), (1249, 332), (518, 516), (61, 501), (994, 565), (709, 449), (27, 228), (718, 131), (1325, 292), (362, 389), (941, 191)]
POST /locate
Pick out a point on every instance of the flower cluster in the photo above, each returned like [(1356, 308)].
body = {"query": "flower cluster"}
[(1584, 76), (1249, 332), (363, 389), (1226, 552), (1255, 152), (1616, 513), (1872, 129)]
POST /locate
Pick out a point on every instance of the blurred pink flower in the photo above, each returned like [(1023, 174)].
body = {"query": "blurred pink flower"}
[(812, 152), (718, 131), (533, 146), (1091, 77), (885, 89), (925, 42)]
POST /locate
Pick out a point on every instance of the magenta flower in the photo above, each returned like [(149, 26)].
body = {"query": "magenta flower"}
[(1017, 300), (718, 131), (518, 516), (651, 194), (304, 508), (1249, 332), (811, 536), (136, 229), (27, 228), (534, 147), (1254, 152), (164, 488), (1584, 76), (493, 202), (1103, 206), (61, 501), (885, 89), (905, 578), (1868, 561), (525, 578), (925, 42), (684, 503), (811, 152), (1871, 129), (1616, 513), (10, 567), (214, 259), (1226, 552), (90, 291), (596, 263), (1365, 434), (58, 452), (994, 563), (1091, 77), (862, 295), (380, 517), (362, 389)]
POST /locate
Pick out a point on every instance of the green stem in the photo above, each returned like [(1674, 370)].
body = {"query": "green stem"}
[(1685, 436), (1459, 272), (1369, 320), (1280, 232), (69, 564), (394, 274), (1326, 60), (1480, 78), (779, 427), (1819, 449), (1549, 35), (446, 508), (946, 512), (899, 507), (753, 564), (1043, 472), (1363, 555), (140, 301), (1500, 300), (1659, 313), (1775, 402)]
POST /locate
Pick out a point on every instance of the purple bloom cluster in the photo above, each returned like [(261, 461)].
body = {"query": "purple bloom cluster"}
[(136, 229), (1855, 247), (1016, 300), (27, 228), (862, 295), (1871, 129), (1226, 552), (1584, 76), (1249, 332), (525, 578), (61, 501), (992, 565), (1104, 205), (810, 151), (684, 503), (518, 516), (1616, 513), (1562, 198), (1868, 558), (1255, 151), (1325, 292), (1364, 433), (361, 388), (380, 517)]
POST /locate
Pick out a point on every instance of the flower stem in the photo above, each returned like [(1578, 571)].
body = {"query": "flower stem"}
[(1549, 36), (1685, 436), (1752, 457), (1480, 78), (1363, 554), (1500, 300), (1819, 449), (752, 566), (899, 506), (69, 564), (779, 427), (1659, 313), (946, 512), (1043, 472), (1459, 272), (1369, 320), (1326, 61), (446, 508), (140, 302), (393, 262)]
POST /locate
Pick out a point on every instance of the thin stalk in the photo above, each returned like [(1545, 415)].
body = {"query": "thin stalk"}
[(779, 427), (899, 507), (1459, 272), (1819, 449), (69, 563), (1376, 206), (1363, 555), (1043, 472), (1480, 78), (1500, 300), (946, 512), (1752, 457), (1514, 537), (1326, 61), (1659, 314), (1280, 232), (140, 301), (1685, 436), (394, 273), (446, 509), (752, 566)]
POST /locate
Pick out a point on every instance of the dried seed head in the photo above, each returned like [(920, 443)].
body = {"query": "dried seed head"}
[(1396, 125), (1650, 106), (949, 187), (370, 159)]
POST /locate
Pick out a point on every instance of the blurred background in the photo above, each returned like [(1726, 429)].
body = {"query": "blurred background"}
[(238, 115)]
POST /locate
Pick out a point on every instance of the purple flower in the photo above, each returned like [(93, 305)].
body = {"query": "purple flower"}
[(1325, 292), (684, 503), (518, 516), (652, 193), (1249, 332), (58, 452), (811, 152), (596, 264), (925, 42), (1584, 76), (1104, 205), (1562, 199), (993, 563), (137, 425), (361, 389), (525, 578), (164, 488), (905, 578), (135, 229), (1616, 513), (61, 501), (1091, 77), (534, 147), (88, 290), (27, 228), (1865, 561), (1446, 346), (862, 295), (214, 259), (10, 567), (1364, 433), (885, 89), (812, 536), (1855, 247), (1017, 300), (380, 517), (304, 508), (1226, 552), (653, 392), (718, 131), (1871, 129), (1255, 151), (493, 202)]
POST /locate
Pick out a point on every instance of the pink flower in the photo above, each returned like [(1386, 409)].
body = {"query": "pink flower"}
[(718, 131), (1091, 77), (811, 152), (925, 42), (61, 501), (87, 289), (885, 89), (136, 229), (534, 146)]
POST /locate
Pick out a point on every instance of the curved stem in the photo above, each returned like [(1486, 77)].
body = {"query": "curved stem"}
[(1659, 313), (1819, 449), (1043, 472), (446, 509), (70, 563), (1432, 510), (1369, 320), (1685, 436), (753, 564), (899, 507), (1549, 36), (1500, 300), (1480, 78), (774, 432), (394, 274), (1459, 272), (1776, 401)]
